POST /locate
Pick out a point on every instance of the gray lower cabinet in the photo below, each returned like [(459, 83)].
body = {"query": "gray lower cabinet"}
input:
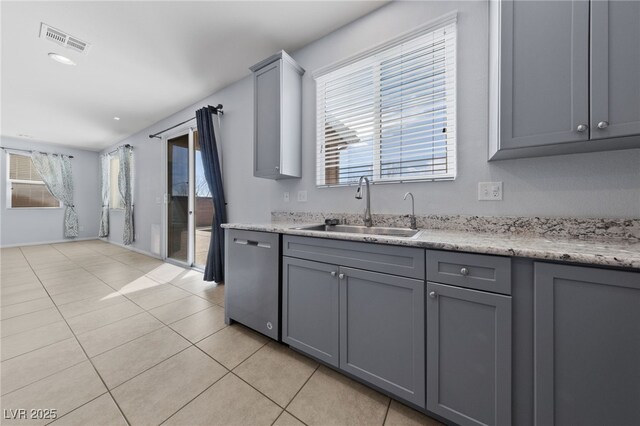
[(587, 346), (382, 336), (310, 304), (469, 355)]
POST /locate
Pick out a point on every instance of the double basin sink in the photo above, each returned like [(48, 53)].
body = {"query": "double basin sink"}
[(372, 230)]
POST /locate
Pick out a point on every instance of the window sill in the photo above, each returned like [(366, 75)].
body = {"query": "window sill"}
[(35, 208)]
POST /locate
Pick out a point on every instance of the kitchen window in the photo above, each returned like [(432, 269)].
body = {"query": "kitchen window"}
[(25, 186), (390, 114)]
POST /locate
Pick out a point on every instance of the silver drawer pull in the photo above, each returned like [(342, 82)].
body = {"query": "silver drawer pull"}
[(582, 128), (341, 276), (464, 271), (333, 273), (603, 125), (433, 295)]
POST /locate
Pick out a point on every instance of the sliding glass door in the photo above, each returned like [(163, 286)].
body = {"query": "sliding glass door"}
[(190, 206)]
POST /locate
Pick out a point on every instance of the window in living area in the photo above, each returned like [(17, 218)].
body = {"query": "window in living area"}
[(25, 186)]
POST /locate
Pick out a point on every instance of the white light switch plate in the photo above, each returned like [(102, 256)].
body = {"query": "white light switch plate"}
[(490, 191), (302, 196), (286, 197)]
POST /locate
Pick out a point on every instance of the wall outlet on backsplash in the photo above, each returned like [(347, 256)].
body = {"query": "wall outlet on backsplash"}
[(286, 197), (302, 196), (490, 191)]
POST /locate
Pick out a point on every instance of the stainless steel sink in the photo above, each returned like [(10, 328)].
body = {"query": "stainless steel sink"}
[(373, 230)]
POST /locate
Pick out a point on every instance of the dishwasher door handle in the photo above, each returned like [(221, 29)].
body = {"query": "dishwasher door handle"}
[(252, 243)]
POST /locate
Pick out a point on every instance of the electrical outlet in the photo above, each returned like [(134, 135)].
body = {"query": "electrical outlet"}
[(490, 191), (302, 196), (286, 197)]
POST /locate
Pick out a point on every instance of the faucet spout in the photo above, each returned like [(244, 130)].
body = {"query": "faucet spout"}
[(413, 210), (368, 222)]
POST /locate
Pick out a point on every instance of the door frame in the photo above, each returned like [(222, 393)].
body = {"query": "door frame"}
[(175, 133)]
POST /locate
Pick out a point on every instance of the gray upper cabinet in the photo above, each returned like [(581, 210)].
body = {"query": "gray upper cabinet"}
[(310, 304), (564, 77), (382, 336), (277, 85), (587, 346), (615, 65), (469, 355)]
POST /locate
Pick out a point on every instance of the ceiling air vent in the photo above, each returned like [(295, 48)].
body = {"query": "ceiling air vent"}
[(47, 32)]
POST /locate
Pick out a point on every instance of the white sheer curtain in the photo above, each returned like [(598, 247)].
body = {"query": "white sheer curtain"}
[(104, 182), (55, 171), (125, 178)]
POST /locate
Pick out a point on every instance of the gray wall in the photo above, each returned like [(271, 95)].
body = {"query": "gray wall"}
[(603, 184), (29, 226), (587, 185), (248, 198)]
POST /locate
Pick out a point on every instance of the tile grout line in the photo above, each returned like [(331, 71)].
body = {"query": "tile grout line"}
[(386, 413), (299, 390), (78, 407), (191, 344), (90, 361), (195, 397)]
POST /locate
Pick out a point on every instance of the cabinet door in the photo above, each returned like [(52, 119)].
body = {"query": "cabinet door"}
[(267, 84), (615, 68), (468, 355), (382, 331), (544, 73), (310, 295), (587, 346)]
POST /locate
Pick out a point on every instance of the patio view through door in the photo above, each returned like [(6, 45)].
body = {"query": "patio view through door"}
[(190, 206)]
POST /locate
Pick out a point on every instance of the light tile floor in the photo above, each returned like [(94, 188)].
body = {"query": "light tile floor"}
[(107, 336)]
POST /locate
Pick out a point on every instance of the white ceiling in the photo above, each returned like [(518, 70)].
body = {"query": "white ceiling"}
[(147, 60)]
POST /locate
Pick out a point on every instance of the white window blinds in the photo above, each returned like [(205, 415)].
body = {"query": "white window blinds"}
[(391, 115)]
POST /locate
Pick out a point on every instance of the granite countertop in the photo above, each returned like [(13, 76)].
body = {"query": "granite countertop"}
[(608, 253)]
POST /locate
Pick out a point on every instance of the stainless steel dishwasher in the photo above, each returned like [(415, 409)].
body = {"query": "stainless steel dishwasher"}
[(252, 280)]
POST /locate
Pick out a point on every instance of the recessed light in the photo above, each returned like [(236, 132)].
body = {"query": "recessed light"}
[(61, 59), (116, 118)]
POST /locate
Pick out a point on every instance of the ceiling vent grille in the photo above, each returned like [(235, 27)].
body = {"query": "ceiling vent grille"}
[(47, 32)]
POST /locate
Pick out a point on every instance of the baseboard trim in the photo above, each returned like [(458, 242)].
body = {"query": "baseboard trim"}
[(135, 249), (39, 243)]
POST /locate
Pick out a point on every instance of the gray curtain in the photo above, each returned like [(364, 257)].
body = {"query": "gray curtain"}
[(55, 171), (214, 269), (125, 155), (104, 183)]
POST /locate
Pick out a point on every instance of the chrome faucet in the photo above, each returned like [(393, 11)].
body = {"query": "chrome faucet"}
[(413, 210), (368, 222)]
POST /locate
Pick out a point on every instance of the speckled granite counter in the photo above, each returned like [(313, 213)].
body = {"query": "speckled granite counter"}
[(609, 253)]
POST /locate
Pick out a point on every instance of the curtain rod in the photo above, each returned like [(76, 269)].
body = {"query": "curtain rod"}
[(30, 151), (125, 145), (216, 110)]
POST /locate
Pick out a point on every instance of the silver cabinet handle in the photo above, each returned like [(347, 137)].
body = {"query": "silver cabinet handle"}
[(341, 276), (603, 125), (582, 128), (277, 168), (464, 271), (433, 295), (333, 273)]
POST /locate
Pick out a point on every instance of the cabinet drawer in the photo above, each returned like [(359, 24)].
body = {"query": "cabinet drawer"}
[(477, 271), (394, 260)]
